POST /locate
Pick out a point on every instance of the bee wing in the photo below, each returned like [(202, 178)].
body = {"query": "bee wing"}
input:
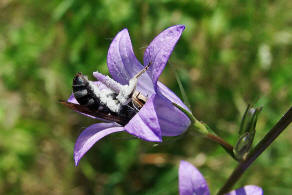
[(86, 110)]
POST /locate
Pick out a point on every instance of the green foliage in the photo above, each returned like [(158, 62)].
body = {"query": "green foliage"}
[(231, 53)]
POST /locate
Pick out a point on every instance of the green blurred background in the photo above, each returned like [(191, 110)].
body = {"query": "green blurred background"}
[(230, 54)]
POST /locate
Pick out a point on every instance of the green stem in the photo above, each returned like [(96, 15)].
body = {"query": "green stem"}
[(203, 129), (226, 146)]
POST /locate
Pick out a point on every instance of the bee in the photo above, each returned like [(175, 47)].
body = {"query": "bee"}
[(104, 102)]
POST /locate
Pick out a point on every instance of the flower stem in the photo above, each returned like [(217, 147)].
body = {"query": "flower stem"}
[(260, 147), (204, 130), (227, 147)]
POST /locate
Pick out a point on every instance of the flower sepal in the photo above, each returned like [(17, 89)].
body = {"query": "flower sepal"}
[(200, 127)]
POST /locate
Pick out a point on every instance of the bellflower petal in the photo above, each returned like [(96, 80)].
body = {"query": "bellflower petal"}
[(91, 135), (145, 124), (72, 99), (166, 92), (160, 49), (172, 121), (191, 181), (123, 64), (247, 190)]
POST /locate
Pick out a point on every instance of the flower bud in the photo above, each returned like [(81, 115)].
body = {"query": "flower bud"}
[(246, 132)]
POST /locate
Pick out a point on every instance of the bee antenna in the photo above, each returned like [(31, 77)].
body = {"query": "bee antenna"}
[(143, 70)]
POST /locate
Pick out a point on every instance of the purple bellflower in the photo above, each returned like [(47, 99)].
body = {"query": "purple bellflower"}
[(192, 182), (158, 117)]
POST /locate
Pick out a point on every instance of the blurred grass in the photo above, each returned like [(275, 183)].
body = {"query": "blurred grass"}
[(231, 53)]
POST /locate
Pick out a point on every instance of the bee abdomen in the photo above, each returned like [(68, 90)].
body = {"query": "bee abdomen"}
[(80, 93), (83, 93)]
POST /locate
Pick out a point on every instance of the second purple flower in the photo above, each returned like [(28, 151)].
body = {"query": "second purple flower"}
[(191, 182)]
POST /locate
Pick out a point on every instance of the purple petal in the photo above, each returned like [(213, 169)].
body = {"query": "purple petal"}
[(247, 190), (172, 121), (166, 92), (145, 124), (191, 181), (72, 99), (123, 64), (159, 50), (91, 135)]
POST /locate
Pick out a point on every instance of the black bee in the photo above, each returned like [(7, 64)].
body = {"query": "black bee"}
[(103, 103), (89, 103)]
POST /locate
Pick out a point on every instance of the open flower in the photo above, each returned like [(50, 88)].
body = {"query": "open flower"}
[(191, 182), (158, 117)]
